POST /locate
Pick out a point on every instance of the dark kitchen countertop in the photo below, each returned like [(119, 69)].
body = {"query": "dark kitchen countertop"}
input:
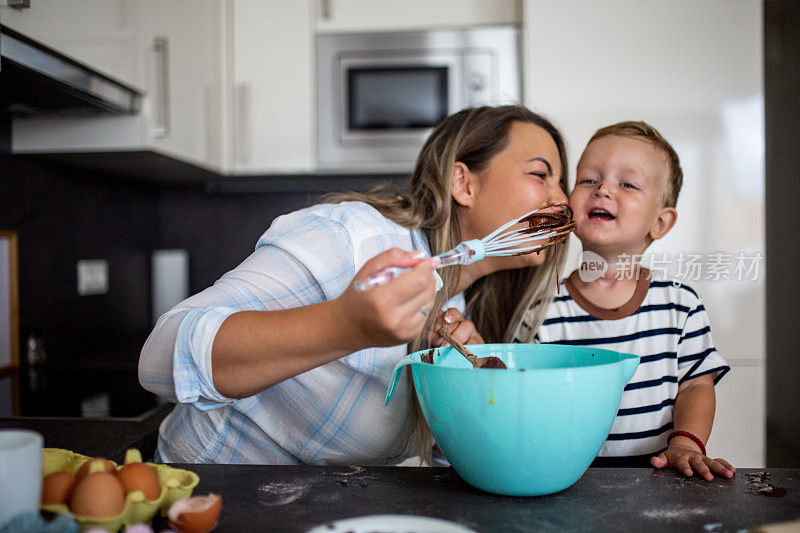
[(97, 437), (60, 390), (297, 498)]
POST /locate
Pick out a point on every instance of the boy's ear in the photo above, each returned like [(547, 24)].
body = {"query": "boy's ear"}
[(667, 216), (465, 185)]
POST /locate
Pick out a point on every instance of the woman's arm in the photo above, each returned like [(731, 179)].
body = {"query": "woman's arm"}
[(155, 360), (249, 351), (254, 350), (302, 261)]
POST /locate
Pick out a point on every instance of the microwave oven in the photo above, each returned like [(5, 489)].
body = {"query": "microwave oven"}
[(379, 95)]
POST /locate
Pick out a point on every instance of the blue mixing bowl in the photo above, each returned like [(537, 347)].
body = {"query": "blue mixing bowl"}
[(531, 429)]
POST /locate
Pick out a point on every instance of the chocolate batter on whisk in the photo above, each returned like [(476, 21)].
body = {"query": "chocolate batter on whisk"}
[(544, 221), (550, 227)]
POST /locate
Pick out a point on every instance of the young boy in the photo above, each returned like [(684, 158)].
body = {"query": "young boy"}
[(624, 198)]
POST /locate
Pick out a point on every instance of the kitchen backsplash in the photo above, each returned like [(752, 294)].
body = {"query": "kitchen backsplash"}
[(218, 230), (63, 215)]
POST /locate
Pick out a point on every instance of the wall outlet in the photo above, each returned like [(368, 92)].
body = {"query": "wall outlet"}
[(92, 276)]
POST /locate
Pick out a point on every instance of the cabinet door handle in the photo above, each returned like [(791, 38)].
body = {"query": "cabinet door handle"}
[(19, 4), (161, 101), (242, 117), (325, 9)]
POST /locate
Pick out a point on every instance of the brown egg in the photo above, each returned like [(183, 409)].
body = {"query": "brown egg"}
[(198, 514), (99, 495), (84, 469), (57, 487), (139, 476)]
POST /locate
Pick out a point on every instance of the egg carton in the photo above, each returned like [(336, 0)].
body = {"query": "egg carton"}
[(175, 485)]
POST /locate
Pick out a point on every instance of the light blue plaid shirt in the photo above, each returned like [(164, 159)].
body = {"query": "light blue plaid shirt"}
[(333, 414)]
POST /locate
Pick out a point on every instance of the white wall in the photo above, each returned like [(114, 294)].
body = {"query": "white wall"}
[(694, 71)]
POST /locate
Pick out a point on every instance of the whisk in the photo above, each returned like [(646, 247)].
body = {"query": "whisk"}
[(550, 226)]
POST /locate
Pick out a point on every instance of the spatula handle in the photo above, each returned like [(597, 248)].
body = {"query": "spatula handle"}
[(460, 347)]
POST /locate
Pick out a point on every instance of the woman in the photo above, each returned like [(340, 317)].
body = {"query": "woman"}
[(282, 361)]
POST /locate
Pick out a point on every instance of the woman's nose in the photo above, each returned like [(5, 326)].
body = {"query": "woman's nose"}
[(558, 195)]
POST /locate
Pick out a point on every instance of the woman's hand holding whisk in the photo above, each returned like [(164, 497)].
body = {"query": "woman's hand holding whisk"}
[(457, 326), (255, 350), (393, 313)]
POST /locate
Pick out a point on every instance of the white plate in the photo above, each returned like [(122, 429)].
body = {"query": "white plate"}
[(391, 523)]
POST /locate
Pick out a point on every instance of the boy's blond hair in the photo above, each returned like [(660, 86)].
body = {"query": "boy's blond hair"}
[(645, 132)]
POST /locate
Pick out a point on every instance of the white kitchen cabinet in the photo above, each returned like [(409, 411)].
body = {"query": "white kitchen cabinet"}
[(100, 33), (182, 63), (270, 95), (182, 80), (386, 15)]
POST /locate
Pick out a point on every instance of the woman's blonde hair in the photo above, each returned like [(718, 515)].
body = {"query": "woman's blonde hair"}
[(496, 302)]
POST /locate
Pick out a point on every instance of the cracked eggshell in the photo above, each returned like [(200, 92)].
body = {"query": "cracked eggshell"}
[(198, 514)]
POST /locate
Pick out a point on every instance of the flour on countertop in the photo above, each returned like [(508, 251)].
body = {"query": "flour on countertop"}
[(672, 513), (281, 493), (356, 470)]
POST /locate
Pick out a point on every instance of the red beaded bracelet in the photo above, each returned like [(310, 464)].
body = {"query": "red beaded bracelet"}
[(688, 436)]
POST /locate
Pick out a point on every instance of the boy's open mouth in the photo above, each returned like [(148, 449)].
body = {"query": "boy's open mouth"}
[(600, 214)]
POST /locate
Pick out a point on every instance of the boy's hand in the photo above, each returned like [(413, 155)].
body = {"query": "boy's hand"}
[(689, 460), (457, 326)]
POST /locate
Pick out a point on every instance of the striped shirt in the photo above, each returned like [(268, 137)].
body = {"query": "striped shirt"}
[(333, 414), (664, 323)]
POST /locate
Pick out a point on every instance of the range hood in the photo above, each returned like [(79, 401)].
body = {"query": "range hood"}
[(37, 80)]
